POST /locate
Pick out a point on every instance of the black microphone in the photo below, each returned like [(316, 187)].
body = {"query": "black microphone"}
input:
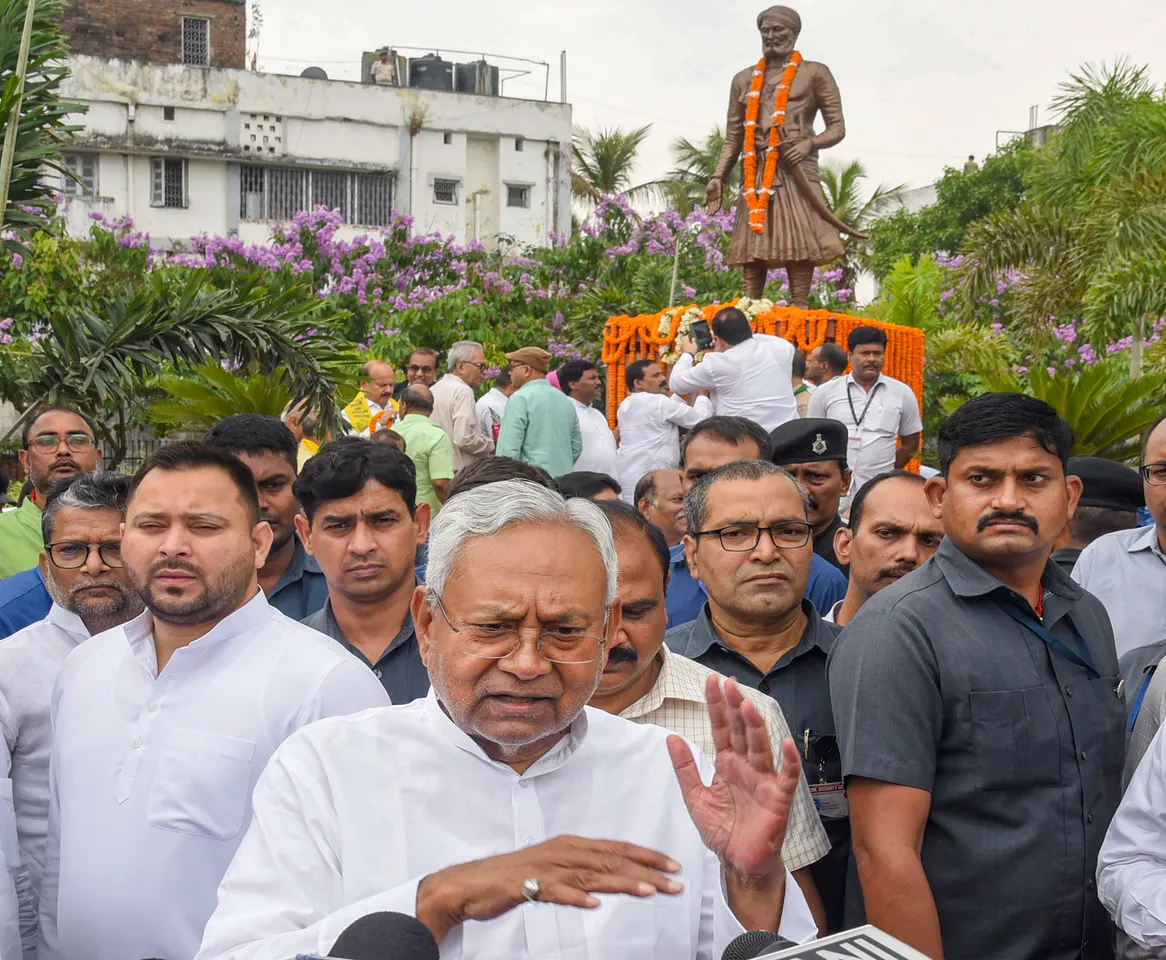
[(386, 936), (754, 943)]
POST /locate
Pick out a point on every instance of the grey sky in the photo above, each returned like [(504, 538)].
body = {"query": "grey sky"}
[(924, 82)]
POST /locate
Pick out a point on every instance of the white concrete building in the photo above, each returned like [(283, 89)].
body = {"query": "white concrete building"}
[(186, 150)]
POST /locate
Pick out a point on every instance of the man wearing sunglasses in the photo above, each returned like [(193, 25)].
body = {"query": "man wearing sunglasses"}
[(454, 409), (750, 542), (1126, 570), (57, 442), (82, 568)]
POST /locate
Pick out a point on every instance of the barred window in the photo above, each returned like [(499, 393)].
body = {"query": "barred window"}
[(83, 167), (278, 193), (517, 195), (168, 186), (196, 41), (445, 191)]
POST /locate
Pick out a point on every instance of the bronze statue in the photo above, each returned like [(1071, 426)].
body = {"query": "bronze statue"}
[(791, 225)]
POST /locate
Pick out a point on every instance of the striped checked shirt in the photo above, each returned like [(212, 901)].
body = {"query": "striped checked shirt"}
[(677, 703)]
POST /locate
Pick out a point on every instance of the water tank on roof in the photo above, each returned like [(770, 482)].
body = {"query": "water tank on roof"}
[(431, 72), (314, 73), (478, 77)]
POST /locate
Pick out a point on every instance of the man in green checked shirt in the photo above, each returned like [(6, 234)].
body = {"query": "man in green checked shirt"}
[(57, 442)]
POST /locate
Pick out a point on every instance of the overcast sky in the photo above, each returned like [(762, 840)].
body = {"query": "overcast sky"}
[(924, 82)]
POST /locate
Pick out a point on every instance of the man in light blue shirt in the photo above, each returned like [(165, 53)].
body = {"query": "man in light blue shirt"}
[(1126, 570), (540, 425)]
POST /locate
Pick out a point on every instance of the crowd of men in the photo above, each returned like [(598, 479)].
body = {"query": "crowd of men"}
[(554, 689)]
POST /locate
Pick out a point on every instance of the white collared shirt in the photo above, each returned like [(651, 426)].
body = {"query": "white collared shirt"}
[(1131, 868), (598, 441), (830, 617), (30, 660), (893, 412), (454, 411), (429, 795), (152, 773), (649, 434), (677, 703), (1126, 571), (753, 379), (490, 407), (10, 870)]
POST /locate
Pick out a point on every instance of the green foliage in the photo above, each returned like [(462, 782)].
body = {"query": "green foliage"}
[(962, 198), (909, 294), (844, 194), (42, 127), (684, 188), (603, 164), (195, 401)]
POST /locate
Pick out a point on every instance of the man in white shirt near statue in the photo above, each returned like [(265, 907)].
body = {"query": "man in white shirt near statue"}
[(579, 380)]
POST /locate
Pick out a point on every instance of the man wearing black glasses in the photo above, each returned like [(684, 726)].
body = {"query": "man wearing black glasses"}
[(82, 569), (57, 442), (1126, 570), (750, 543)]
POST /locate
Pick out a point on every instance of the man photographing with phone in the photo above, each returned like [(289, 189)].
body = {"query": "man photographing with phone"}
[(747, 374)]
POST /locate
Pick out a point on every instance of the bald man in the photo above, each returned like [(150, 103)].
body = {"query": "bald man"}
[(373, 408)]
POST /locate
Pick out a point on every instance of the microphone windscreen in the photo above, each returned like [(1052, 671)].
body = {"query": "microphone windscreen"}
[(386, 936), (754, 943)]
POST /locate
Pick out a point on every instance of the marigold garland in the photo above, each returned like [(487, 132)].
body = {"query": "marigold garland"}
[(652, 336), (758, 200)]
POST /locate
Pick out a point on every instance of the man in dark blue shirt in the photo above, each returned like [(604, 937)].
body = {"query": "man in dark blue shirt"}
[(24, 599)]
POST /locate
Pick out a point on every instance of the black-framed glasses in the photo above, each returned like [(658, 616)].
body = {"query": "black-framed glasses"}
[(74, 441), (497, 641), (73, 554), (743, 537), (473, 363), (1154, 474), (415, 368)]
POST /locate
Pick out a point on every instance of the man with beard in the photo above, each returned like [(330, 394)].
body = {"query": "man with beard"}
[(749, 542), (57, 442), (363, 524), (892, 532), (814, 453), (293, 582), (162, 726), (82, 567), (645, 682), (980, 712)]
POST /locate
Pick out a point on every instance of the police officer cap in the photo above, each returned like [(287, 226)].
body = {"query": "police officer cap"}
[(804, 441), (1107, 484)]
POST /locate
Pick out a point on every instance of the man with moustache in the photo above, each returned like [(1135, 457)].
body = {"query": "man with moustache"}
[(814, 453), (81, 565), (294, 584), (980, 711), (162, 726), (363, 523), (749, 543), (57, 442), (659, 496), (892, 532), (645, 682), (373, 408), (825, 363)]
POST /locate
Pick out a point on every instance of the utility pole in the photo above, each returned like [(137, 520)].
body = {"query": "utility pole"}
[(8, 156)]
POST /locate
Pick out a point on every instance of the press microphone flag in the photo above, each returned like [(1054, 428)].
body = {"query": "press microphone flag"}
[(862, 943)]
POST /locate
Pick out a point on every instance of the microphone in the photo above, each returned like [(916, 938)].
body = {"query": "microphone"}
[(386, 936), (754, 943)]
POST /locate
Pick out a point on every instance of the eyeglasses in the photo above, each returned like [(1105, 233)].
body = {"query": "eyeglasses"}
[(1154, 474), (497, 641), (75, 441), (414, 368), (74, 554), (743, 537), (481, 366)]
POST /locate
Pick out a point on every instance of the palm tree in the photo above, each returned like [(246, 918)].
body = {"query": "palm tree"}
[(603, 164), (196, 401), (842, 189), (695, 164), (1090, 236)]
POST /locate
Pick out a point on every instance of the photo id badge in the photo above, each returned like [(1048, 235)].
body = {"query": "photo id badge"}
[(853, 448), (830, 799)]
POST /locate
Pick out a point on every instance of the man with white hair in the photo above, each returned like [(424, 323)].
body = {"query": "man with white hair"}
[(454, 409), (501, 798)]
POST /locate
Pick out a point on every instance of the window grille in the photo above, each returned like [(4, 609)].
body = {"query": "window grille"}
[(445, 191), (517, 196), (196, 41)]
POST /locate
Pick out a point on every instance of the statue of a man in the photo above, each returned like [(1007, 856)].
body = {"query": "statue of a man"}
[(797, 230)]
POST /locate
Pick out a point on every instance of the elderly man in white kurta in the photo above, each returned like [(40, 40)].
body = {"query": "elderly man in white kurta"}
[(162, 726), (561, 831)]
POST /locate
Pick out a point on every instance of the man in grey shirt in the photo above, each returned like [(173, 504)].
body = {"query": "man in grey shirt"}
[(1126, 570), (980, 713)]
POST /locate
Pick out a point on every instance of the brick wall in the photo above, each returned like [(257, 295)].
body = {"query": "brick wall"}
[(152, 29)]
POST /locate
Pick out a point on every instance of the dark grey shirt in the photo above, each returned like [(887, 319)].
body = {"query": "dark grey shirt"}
[(936, 686), (399, 669)]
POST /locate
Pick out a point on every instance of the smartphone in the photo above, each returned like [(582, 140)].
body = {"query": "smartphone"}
[(701, 334)]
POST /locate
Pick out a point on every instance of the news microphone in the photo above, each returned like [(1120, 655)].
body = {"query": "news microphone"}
[(383, 936), (754, 943)]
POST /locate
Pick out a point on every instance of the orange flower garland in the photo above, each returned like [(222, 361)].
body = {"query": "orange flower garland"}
[(758, 200)]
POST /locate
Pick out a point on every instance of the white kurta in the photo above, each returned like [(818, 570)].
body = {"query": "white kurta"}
[(649, 434), (753, 379), (598, 441), (30, 660), (490, 407), (152, 773), (10, 947), (352, 814)]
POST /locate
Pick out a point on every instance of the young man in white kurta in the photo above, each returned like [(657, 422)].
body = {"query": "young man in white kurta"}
[(152, 773)]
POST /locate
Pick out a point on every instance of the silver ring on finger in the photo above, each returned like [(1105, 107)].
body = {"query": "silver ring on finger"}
[(531, 889)]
